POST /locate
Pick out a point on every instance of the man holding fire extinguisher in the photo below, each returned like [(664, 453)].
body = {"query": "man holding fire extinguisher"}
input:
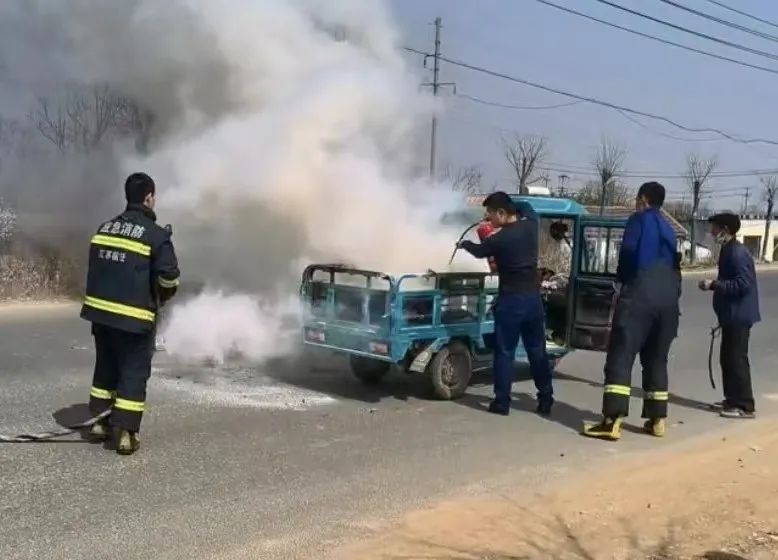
[(510, 242)]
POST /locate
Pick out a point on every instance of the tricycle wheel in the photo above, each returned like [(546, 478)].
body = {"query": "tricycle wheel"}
[(450, 371), (368, 370)]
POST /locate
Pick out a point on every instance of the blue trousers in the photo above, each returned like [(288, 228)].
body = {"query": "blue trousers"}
[(520, 316)]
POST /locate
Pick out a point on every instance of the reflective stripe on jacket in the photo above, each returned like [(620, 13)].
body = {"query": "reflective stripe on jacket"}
[(132, 265)]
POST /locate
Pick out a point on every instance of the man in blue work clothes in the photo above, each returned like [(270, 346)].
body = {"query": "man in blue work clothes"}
[(645, 321), (519, 309), (736, 303)]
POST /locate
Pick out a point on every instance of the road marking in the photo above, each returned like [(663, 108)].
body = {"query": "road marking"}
[(238, 387)]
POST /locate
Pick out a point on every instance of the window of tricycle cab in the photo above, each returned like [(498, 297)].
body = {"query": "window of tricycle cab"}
[(556, 239), (600, 251), (349, 296)]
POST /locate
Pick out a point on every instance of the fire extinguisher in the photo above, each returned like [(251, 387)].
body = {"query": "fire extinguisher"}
[(485, 230)]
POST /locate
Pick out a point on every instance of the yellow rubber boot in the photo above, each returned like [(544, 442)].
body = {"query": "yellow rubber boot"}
[(657, 427), (609, 428), (98, 432), (127, 443)]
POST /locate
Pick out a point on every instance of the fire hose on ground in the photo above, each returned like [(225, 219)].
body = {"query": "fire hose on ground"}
[(46, 436)]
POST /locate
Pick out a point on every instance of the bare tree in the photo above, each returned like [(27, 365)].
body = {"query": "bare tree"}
[(608, 162), (132, 120), (85, 118), (681, 210), (617, 193), (92, 115), (52, 123), (770, 189), (523, 154), (698, 171), (464, 179)]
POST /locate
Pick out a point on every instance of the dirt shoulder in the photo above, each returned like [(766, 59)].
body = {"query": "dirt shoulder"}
[(714, 498)]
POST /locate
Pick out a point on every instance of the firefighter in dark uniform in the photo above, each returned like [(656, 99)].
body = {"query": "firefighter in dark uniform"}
[(645, 321), (133, 270)]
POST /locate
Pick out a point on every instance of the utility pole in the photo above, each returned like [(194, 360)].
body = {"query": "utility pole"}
[(563, 185), (745, 201), (696, 188), (436, 84)]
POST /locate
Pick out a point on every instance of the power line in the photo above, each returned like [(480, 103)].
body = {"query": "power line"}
[(659, 39), (522, 107), (660, 133), (731, 9), (577, 170), (561, 105), (722, 21), (690, 31), (596, 101)]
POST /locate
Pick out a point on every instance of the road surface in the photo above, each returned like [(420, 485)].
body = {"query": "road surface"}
[(288, 460)]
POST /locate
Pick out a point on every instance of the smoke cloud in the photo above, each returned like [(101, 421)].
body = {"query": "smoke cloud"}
[(284, 132)]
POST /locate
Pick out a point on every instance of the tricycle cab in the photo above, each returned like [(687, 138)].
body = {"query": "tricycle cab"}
[(442, 324)]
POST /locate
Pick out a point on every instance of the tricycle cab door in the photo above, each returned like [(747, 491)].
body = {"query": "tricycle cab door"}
[(594, 293)]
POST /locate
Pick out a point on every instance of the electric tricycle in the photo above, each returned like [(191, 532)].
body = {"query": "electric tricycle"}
[(441, 324)]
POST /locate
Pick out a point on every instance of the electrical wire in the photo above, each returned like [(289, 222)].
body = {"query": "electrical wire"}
[(560, 168), (660, 133), (659, 39), (600, 102), (521, 107), (721, 21), (731, 9), (690, 31)]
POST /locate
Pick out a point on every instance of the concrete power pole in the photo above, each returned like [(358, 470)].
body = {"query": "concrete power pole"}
[(745, 201), (435, 87), (436, 84), (695, 207)]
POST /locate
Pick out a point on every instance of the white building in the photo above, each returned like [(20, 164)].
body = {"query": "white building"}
[(751, 234)]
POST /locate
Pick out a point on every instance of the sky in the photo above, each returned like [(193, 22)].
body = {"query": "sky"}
[(529, 40)]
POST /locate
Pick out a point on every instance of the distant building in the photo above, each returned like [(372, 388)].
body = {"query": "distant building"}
[(751, 234)]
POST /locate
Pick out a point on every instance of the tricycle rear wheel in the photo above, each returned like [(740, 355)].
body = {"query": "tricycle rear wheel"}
[(450, 371), (368, 370)]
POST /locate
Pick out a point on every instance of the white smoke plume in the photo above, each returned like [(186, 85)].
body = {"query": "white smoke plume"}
[(287, 131)]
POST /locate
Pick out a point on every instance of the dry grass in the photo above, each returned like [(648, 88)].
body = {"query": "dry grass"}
[(36, 277)]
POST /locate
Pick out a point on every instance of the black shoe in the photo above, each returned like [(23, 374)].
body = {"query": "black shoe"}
[(496, 408), (737, 413), (544, 406)]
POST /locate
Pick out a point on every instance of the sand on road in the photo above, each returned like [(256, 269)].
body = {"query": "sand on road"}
[(716, 497)]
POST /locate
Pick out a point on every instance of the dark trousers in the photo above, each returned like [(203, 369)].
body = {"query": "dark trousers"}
[(122, 369), (648, 331), (735, 367), (520, 316)]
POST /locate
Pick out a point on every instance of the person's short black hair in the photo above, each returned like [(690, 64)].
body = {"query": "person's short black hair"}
[(500, 201), (653, 192), (726, 220), (137, 187)]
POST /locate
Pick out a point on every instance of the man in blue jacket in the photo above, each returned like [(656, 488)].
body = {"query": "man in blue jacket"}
[(645, 321), (736, 304), (519, 310)]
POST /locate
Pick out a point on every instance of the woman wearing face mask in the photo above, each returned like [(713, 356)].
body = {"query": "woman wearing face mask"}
[(736, 304)]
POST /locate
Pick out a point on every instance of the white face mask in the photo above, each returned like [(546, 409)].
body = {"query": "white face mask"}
[(723, 237)]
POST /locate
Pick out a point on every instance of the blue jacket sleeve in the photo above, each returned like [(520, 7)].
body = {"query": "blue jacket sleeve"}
[(744, 279), (487, 248), (628, 255)]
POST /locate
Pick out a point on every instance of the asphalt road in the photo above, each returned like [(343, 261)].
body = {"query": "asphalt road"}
[(288, 460)]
